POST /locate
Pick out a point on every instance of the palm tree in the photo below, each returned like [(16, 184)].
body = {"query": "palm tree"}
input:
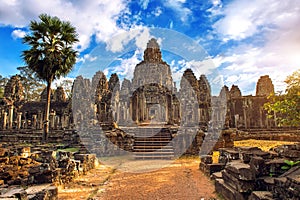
[(51, 53)]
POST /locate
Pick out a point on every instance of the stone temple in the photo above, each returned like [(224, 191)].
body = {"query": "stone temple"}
[(151, 97), (149, 103)]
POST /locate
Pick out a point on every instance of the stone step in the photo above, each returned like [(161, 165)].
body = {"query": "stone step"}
[(152, 157), (153, 147), (152, 139), (154, 153), (156, 146)]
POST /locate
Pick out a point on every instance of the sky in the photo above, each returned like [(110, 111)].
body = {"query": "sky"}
[(243, 39)]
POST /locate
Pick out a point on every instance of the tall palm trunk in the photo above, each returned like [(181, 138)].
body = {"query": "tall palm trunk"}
[(47, 110)]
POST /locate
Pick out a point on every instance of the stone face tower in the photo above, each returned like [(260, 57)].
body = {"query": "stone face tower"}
[(152, 87), (152, 69), (264, 86), (14, 89)]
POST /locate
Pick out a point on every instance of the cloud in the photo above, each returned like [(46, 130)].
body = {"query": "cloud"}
[(97, 17), (18, 33), (157, 12), (141, 35), (178, 7), (144, 4), (270, 22), (87, 57), (126, 67), (243, 19)]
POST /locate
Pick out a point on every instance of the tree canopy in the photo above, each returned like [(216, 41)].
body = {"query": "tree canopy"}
[(51, 54), (3, 81), (285, 108), (33, 87)]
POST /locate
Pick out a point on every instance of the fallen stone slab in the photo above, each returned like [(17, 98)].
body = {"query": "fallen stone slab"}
[(239, 185), (216, 175), (227, 192), (240, 170), (258, 166), (44, 191), (209, 169), (18, 193), (261, 195)]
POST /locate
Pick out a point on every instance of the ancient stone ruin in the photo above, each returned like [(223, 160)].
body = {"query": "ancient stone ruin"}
[(250, 173), (149, 117)]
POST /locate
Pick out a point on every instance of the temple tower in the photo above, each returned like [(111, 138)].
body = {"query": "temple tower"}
[(264, 86)]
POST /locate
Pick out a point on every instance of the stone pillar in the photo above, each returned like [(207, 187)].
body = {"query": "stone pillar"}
[(245, 115), (52, 119), (236, 121), (19, 120), (40, 120), (57, 124), (34, 121), (4, 120), (10, 116)]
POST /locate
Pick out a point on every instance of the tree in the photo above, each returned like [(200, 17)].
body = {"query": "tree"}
[(285, 108), (3, 82), (51, 54), (33, 87), (67, 85)]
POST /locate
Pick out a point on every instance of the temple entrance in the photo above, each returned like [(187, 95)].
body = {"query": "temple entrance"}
[(157, 113), (151, 104)]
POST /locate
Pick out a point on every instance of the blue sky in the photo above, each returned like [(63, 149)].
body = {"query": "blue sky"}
[(244, 39)]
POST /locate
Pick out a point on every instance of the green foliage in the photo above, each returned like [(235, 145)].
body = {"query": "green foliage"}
[(290, 164), (51, 53), (72, 150), (33, 87), (67, 85), (1, 92), (3, 81), (285, 108)]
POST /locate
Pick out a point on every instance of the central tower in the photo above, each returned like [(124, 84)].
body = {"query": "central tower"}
[(152, 69), (152, 87)]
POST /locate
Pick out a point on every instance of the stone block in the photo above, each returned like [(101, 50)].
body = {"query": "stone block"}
[(43, 191), (258, 166), (18, 193), (229, 153), (240, 170), (227, 192), (209, 169), (207, 159), (239, 185), (261, 195), (216, 175)]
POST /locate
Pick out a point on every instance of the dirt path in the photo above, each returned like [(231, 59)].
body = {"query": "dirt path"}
[(180, 180)]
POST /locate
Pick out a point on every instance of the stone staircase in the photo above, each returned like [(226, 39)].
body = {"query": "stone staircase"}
[(153, 143)]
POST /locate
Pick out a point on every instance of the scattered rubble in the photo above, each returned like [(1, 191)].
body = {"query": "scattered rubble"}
[(250, 173), (34, 172)]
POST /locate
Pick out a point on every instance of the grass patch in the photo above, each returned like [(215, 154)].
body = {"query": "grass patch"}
[(72, 150), (265, 145)]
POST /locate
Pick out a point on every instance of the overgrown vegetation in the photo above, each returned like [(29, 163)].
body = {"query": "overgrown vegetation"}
[(290, 164), (285, 108), (3, 81), (32, 86)]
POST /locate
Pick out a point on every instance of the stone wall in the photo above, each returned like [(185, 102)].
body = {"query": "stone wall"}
[(279, 134)]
